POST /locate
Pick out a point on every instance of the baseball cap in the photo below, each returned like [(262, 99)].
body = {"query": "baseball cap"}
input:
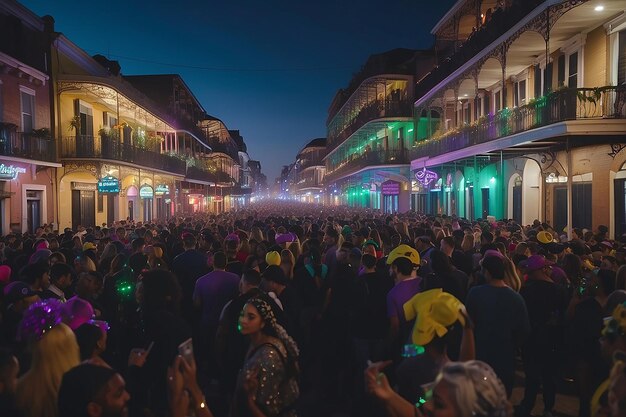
[(17, 291), (436, 311), (404, 251), (272, 258), (534, 263)]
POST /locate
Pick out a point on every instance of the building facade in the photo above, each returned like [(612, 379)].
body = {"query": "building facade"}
[(27, 150), (309, 172), (370, 131), (524, 116)]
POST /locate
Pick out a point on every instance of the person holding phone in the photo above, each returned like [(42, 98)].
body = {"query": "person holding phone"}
[(267, 384)]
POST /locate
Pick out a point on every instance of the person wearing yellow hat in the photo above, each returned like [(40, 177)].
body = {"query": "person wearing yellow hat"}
[(403, 262), (545, 237), (438, 313), (272, 258)]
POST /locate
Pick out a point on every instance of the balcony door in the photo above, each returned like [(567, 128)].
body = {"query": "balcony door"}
[(83, 208), (84, 134)]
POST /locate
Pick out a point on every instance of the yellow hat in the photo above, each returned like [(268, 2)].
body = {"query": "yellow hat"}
[(436, 311), (272, 258), (89, 246), (404, 251), (545, 237)]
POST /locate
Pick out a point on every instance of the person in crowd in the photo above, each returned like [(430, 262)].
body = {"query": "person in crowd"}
[(460, 389), (500, 318), (188, 267), (267, 384), (92, 390), (60, 282), (92, 341), (445, 276), (54, 352), (546, 303), (9, 370)]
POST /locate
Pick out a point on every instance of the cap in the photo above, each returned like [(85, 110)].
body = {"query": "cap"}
[(404, 251), (347, 230), (545, 237), (371, 242), (272, 258), (436, 311), (77, 312), (17, 291), (534, 263)]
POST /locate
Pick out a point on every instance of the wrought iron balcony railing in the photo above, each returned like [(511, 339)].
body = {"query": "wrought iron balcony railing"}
[(26, 145), (103, 147), (366, 159), (559, 106), (378, 109)]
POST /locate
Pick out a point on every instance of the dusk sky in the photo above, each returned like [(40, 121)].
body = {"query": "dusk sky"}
[(269, 69)]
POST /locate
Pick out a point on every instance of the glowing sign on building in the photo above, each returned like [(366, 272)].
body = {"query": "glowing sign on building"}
[(425, 177), (10, 172)]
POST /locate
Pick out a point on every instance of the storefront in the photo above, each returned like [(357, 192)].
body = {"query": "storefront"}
[(26, 197)]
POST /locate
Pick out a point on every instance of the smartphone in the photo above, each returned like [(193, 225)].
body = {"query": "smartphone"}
[(185, 350)]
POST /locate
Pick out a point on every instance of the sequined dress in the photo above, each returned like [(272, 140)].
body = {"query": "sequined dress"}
[(276, 394)]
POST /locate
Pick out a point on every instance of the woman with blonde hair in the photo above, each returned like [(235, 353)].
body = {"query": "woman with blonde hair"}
[(55, 351), (256, 234), (510, 275)]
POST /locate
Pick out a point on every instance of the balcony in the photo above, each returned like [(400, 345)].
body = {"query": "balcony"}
[(501, 21), (378, 109), (559, 106), (365, 160), (102, 147), (307, 183), (26, 145)]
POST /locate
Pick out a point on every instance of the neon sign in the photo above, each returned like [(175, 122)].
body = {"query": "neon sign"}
[(10, 172), (425, 177)]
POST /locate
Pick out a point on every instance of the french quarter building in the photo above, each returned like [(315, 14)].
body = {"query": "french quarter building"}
[(524, 115)]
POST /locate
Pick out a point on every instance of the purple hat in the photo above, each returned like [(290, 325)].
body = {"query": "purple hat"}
[(232, 236), (16, 291), (285, 238), (493, 252), (77, 312), (534, 263), (40, 318)]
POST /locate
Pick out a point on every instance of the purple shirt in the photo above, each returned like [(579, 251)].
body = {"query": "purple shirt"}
[(402, 292), (214, 290)]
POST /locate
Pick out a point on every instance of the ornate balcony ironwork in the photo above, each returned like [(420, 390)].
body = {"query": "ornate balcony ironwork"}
[(104, 147), (558, 106), (26, 145), (367, 159)]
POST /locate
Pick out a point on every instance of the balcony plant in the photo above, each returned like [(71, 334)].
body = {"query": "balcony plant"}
[(44, 132), (74, 124)]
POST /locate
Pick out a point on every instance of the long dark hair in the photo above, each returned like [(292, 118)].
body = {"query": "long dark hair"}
[(161, 291)]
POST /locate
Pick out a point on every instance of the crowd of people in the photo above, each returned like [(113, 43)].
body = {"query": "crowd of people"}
[(286, 309)]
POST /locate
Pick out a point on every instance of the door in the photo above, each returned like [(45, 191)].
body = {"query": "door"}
[(620, 207), (581, 205), (469, 198), (131, 210), (485, 202), (147, 209), (76, 211), (33, 215), (560, 208), (517, 204), (88, 208)]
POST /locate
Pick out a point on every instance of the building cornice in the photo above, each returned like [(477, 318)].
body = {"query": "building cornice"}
[(19, 65)]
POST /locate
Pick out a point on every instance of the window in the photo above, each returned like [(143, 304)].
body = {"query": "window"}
[(547, 79), (561, 71), (537, 81), (519, 93), (28, 109), (572, 79), (497, 101), (108, 119)]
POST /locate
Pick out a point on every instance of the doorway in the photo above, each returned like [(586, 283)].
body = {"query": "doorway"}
[(83, 208), (517, 204), (485, 202), (33, 214), (147, 209), (131, 210), (560, 208), (111, 208)]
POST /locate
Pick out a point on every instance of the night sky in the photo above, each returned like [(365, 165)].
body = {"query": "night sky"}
[(267, 68)]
